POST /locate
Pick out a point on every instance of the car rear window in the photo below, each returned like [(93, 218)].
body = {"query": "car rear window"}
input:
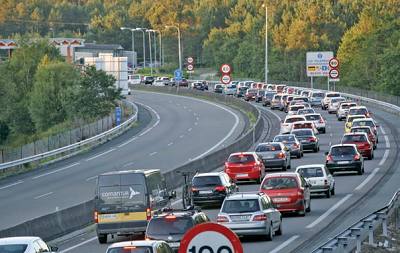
[(241, 206), (277, 97), (318, 95), (358, 111), (13, 248), (347, 106), (311, 172), (332, 95), (360, 130), (268, 147), (218, 86), (350, 119), (206, 181), (241, 158), (302, 125), (136, 249), (252, 91), (296, 108), (291, 120), (342, 150), (354, 138), (279, 183), (363, 123), (281, 138), (169, 225), (313, 117), (303, 132)]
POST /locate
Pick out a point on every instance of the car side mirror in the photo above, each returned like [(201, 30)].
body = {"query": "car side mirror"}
[(172, 195)]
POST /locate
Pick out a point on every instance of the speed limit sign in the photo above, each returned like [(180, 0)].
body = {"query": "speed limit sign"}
[(226, 79), (334, 63), (210, 238), (190, 67), (226, 68), (190, 60)]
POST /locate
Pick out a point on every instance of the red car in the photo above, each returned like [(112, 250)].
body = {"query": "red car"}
[(245, 166), (364, 146), (289, 192), (250, 94), (365, 129)]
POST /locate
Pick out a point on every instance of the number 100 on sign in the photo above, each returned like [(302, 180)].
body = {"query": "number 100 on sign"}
[(210, 242)]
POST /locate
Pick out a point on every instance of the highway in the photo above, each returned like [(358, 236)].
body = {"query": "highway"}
[(172, 131), (327, 215)]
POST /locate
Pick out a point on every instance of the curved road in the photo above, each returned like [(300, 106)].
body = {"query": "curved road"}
[(327, 215), (178, 129)]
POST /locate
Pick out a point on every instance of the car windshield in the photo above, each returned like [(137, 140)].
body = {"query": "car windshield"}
[(347, 106), (13, 248), (363, 123), (296, 108), (313, 117), (342, 150), (241, 158), (350, 119), (333, 95), (303, 132), (311, 172), (169, 225), (279, 183), (291, 120), (354, 138), (360, 130), (358, 111), (206, 181), (129, 249), (241, 206), (284, 138), (277, 97), (268, 147), (318, 95)]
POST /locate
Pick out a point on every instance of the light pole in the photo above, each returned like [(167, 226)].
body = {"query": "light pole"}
[(144, 44), (266, 43), (151, 60), (179, 44), (160, 45), (155, 45), (133, 42)]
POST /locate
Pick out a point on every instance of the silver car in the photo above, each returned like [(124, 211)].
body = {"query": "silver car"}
[(292, 143), (250, 214), (319, 177), (274, 155), (344, 110)]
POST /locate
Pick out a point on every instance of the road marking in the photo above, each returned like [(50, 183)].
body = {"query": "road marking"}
[(194, 114), (383, 130), (90, 178), (43, 195), (10, 185), (55, 171), (330, 135), (171, 143), (151, 154), (330, 210), (367, 179), (78, 245), (101, 154), (387, 141), (125, 143), (190, 129), (197, 118), (385, 156), (330, 143), (195, 123), (182, 136), (286, 243)]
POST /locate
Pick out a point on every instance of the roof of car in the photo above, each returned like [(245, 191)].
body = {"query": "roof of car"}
[(310, 165), (144, 243), (18, 240), (363, 119), (147, 171), (313, 114), (357, 133), (282, 174), (244, 153), (356, 115), (344, 145), (243, 195), (294, 116), (209, 174), (269, 143)]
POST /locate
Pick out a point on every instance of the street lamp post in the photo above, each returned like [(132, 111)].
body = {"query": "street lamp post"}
[(144, 45), (266, 43), (179, 44), (160, 45), (151, 60), (133, 42)]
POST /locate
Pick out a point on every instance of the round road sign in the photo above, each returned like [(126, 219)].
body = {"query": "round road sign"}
[(334, 63), (210, 238), (333, 73), (190, 67), (190, 60), (226, 79), (225, 69)]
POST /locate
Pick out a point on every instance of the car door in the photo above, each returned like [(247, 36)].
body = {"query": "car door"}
[(272, 213), (307, 194), (329, 177)]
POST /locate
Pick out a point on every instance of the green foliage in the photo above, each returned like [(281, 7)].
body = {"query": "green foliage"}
[(4, 132)]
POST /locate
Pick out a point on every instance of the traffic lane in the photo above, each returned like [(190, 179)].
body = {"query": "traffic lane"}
[(75, 184)]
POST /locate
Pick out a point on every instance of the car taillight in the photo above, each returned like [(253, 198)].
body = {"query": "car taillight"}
[(219, 188), (221, 218), (170, 217), (329, 158), (195, 189), (129, 248), (312, 139), (321, 121), (148, 213), (281, 155), (260, 217), (325, 182), (357, 157), (296, 145), (96, 217), (300, 193)]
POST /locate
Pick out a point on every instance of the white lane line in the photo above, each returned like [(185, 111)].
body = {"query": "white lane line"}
[(128, 164), (330, 210), (55, 171), (127, 142), (330, 135), (197, 118), (176, 202), (10, 185), (43, 195), (78, 245), (171, 143), (182, 136), (190, 129), (151, 154), (382, 130), (155, 124), (387, 141), (385, 156), (330, 143), (286, 243), (90, 178), (195, 123), (367, 179), (101, 154)]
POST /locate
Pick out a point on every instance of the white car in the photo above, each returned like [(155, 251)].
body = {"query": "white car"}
[(159, 82), (327, 99), (135, 79), (305, 125), (286, 125), (140, 246), (293, 109), (230, 89), (333, 105), (344, 110), (319, 177), (318, 120), (305, 111), (25, 244)]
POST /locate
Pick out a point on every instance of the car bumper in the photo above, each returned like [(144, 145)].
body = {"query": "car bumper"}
[(308, 145), (319, 188), (209, 199), (295, 152), (352, 166), (273, 163), (137, 227), (290, 207), (254, 175), (248, 228), (365, 152)]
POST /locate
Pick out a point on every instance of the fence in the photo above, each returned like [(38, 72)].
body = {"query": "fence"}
[(64, 142)]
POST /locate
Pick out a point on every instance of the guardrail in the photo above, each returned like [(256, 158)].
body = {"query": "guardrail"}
[(351, 239), (95, 139)]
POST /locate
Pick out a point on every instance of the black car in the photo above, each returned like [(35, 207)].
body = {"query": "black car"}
[(148, 79), (266, 99), (218, 88), (260, 95), (344, 157), (200, 86), (211, 188), (307, 139), (241, 91), (170, 225)]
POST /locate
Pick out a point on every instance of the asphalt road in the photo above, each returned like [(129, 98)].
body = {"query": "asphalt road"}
[(172, 130), (327, 215)]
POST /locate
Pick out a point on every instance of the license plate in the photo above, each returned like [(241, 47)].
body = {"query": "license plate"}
[(302, 141), (109, 216), (281, 199), (174, 244), (205, 192), (313, 182), (269, 156), (240, 218), (343, 162), (242, 175)]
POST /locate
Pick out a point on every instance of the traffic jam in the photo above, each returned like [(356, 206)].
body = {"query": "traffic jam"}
[(282, 190)]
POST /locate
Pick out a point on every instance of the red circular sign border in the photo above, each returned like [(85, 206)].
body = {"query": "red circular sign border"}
[(188, 67), (330, 76), (226, 73), (230, 79), (210, 226), (190, 62), (338, 63)]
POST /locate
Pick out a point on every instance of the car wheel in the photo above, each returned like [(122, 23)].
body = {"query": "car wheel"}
[(328, 193), (360, 171), (270, 233), (371, 156), (308, 209), (284, 168), (102, 238), (302, 212), (315, 149), (289, 166), (333, 191), (332, 172), (259, 178), (302, 153), (299, 155), (324, 130), (279, 231)]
